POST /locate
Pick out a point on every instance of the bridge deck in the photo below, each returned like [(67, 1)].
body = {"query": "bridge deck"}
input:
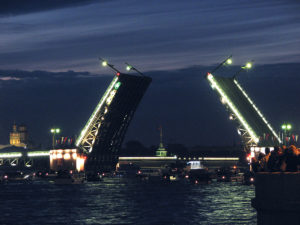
[(244, 110)]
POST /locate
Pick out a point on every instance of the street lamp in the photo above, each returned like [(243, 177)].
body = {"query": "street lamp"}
[(227, 61), (105, 63), (54, 131), (130, 67), (247, 66), (286, 127)]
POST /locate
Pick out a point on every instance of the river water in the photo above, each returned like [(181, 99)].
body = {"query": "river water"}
[(115, 201)]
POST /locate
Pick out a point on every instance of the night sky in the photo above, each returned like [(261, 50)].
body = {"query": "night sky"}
[(50, 73)]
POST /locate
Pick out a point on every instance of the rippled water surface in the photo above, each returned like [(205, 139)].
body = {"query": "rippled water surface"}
[(116, 201)]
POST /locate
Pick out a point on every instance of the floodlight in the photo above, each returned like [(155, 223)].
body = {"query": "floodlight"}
[(229, 61), (104, 63), (248, 65), (128, 68)]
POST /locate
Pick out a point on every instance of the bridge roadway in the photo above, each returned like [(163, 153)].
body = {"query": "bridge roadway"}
[(19, 157), (39, 159)]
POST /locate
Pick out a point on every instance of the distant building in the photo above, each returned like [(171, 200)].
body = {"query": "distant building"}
[(161, 151), (19, 136)]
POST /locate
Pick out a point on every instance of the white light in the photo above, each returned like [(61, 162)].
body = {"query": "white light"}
[(74, 155), (223, 100), (229, 61), (221, 158), (104, 63), (11, 155), (40, 153), (145, 158), (67, 156)]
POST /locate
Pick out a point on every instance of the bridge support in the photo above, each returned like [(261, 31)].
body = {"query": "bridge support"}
[(277, 198)]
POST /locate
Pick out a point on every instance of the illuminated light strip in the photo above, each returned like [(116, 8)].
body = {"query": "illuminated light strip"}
[(233, 108), (223, 159), (98, 107), (257, 110), (144, 158), (11, 155), (38, 153)]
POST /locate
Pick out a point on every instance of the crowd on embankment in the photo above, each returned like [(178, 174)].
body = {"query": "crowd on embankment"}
[(281, 159)]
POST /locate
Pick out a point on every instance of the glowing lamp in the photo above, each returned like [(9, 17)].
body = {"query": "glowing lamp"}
[(229, 61), (118, 73), (248, 65), (289, 126), (117, 85), (104, 63), (128, 68), (67, 156), (74, 155)]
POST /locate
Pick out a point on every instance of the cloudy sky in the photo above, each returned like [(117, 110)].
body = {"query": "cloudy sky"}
[(175, 42)]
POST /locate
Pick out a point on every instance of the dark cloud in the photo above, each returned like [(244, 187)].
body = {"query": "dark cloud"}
[(179, 100), (12, 7)]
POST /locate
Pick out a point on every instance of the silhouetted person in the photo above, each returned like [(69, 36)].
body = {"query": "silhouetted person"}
[(261, 162), (266, 159), (254, 165), (274, 160), (291, 159)]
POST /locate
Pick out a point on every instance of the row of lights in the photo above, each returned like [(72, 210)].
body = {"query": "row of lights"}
[(233, 108), (98, 107), (257, 110)]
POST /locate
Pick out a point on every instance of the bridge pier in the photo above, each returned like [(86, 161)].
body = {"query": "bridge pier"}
[(277, 198)]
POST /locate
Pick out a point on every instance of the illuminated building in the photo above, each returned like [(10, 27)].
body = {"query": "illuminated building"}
[(103, 134), (67, 159), (161, 151), (19, 136)]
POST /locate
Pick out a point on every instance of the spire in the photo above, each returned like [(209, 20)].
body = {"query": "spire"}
[(15, 127), (161, 151), (161, 146)]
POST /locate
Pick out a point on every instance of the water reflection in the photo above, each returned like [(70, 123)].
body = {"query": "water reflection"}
[(119, 201)]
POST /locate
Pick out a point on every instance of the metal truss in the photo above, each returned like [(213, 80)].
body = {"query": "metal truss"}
[(89, 134), (16, 162), (88, 141), (245, 136)]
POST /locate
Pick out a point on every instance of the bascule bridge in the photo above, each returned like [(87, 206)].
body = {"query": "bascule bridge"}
[(102, 136), (100, 140)]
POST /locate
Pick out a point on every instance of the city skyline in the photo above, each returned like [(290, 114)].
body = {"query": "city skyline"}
[(50, 73)]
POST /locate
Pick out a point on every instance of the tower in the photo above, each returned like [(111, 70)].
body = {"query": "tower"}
[(18, 137), (161, 151)]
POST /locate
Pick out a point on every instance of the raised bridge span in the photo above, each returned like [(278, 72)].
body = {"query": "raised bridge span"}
[(101, 138), (252, 125)]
